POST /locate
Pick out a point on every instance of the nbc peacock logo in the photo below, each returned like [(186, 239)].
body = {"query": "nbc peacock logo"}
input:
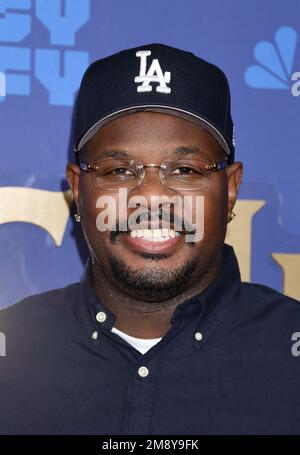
[(275, 63)]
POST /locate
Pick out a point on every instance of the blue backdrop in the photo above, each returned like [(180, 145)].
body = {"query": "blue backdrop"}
[(45, 46)]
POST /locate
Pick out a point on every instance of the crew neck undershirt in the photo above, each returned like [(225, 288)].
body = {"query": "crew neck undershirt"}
[(141, 344)]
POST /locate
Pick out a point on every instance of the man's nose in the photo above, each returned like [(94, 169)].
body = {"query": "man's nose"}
[(152, 184), (157, 201)]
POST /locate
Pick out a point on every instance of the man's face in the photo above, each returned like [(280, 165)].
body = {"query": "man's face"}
[(155, 271)]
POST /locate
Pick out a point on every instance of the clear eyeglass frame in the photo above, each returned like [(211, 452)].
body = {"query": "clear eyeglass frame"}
[(138, 169)]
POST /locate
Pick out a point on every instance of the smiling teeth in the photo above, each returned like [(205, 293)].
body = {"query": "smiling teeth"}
[(155, 235)]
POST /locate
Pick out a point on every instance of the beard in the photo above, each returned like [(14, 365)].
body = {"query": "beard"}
[(152, 283)]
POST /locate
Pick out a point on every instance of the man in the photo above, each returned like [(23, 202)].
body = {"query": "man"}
[(160, 336)]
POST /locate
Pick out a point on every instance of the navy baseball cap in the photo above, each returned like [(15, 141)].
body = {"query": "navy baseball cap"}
[(159, 78)]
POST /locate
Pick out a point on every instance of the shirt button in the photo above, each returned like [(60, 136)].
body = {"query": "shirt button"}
[(143, 372), (198, 336), (95, 335), (100, 316)]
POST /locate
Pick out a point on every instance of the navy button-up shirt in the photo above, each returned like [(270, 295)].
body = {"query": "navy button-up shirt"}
[(228, 365)]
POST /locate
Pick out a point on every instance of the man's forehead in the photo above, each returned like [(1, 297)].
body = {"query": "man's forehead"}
[(150, 132), (191, 151)]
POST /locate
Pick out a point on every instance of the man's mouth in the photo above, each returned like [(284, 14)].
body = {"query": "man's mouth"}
[(153, 241), (155, 235)]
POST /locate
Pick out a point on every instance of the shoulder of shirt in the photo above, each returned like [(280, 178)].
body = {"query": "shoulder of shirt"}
[(268, 304), (48, 302), (265, 294)]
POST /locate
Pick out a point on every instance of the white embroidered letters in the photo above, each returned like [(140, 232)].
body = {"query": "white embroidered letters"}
[(154, 74)]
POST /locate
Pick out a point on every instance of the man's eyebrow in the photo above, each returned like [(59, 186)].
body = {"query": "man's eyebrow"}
[(185, 150), (116, 153)]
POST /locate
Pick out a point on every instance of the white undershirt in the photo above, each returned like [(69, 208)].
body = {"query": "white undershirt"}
[(140, 344)]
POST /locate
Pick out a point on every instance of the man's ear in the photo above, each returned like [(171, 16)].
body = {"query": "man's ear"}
[(72, 175), (234, 176)]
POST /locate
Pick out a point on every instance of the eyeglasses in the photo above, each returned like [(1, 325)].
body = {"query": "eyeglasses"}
[(181, 174)]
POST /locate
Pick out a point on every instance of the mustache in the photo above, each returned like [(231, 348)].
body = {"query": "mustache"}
[(143, 220)]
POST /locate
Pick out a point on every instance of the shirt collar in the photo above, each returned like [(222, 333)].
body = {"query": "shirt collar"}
[(227, 282), (94, 304), (210, 304), (222, 289)]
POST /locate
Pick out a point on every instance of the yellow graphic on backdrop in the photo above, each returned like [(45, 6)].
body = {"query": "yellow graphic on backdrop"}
[(50, 210)]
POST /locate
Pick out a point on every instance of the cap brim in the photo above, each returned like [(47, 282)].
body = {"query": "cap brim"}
[(156, 108)]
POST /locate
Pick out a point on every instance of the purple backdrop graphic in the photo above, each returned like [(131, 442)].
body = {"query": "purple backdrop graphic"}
[(45, 46)]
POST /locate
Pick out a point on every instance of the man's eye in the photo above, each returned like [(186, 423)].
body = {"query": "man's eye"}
[(116, 171), (184, 170), (121, 171)]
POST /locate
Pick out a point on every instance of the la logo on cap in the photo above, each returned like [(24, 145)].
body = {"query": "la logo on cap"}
[(154, 74)]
